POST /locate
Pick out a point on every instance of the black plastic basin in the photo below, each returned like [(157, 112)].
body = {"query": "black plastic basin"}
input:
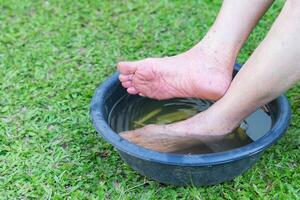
[(205, 169)]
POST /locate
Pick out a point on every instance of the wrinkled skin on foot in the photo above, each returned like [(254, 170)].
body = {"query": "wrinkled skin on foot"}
[(195, 73)]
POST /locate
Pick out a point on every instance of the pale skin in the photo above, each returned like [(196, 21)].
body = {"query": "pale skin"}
[(205, 70), (272, 69)]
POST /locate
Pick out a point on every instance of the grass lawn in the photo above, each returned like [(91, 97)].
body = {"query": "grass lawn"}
[(53, 54)]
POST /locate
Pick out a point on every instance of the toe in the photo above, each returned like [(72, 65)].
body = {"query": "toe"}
[(128, 135), (127, 84), (127, 67), (132, 90), (123, 77)]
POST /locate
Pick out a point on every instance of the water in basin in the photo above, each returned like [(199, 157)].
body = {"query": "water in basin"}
[(132, 112)]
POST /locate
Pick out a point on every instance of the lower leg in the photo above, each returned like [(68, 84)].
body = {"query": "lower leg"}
[(203, 71), (272, 68)]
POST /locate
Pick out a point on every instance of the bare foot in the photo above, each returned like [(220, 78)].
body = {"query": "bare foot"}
[(202, 72), (202, 128)]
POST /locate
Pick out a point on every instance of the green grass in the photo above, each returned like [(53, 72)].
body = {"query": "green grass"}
[(53, 54)]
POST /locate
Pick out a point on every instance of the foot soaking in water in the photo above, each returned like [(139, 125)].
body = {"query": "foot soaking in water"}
[(132, 112)]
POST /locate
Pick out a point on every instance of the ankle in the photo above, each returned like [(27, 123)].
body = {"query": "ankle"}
[(224, 54), (219, 41), (221, 119)]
